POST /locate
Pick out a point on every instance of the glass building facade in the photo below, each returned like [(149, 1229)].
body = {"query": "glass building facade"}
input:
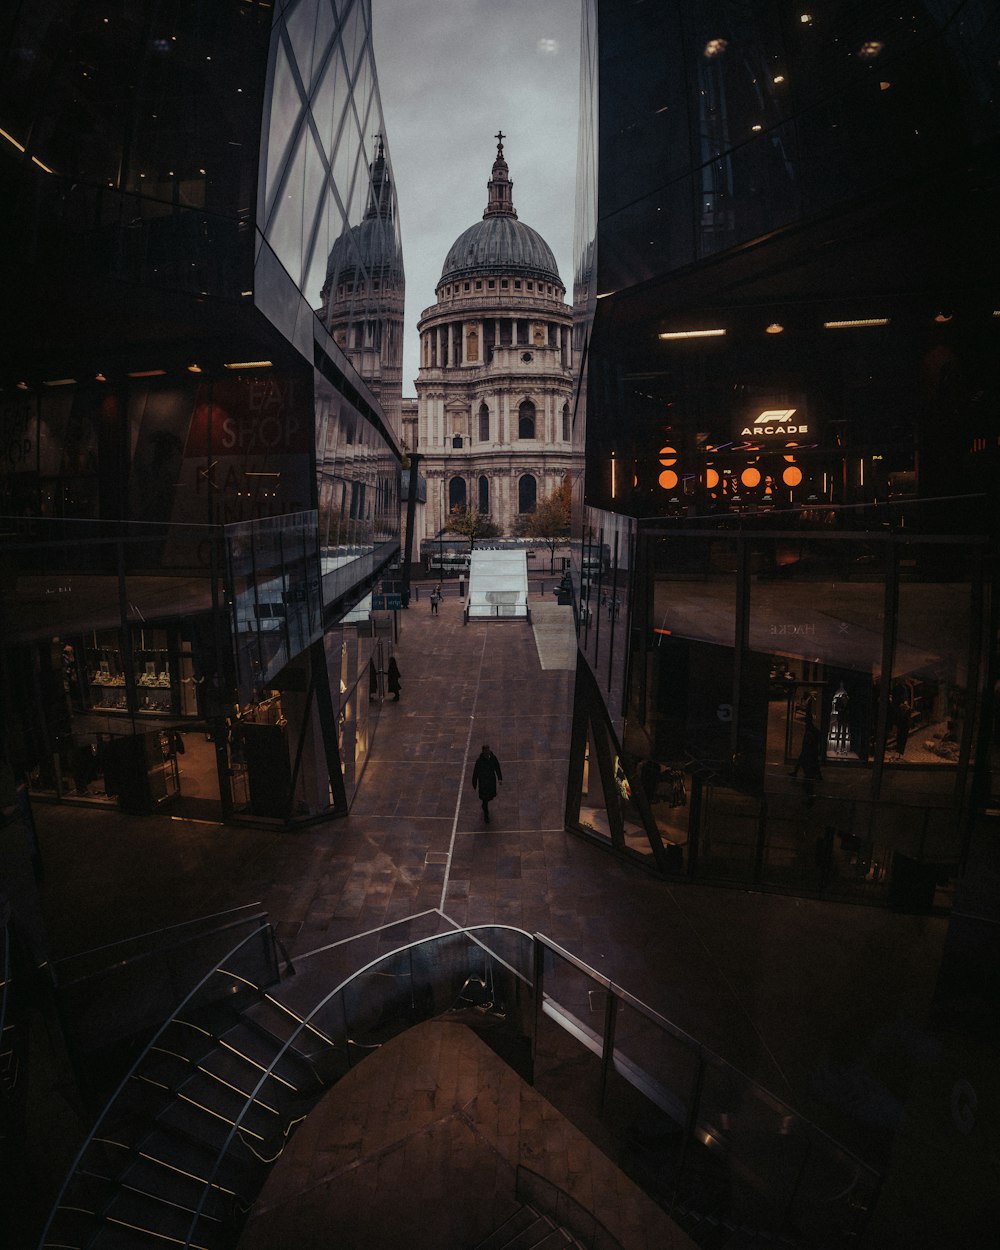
[(188, 456), (785, 558)]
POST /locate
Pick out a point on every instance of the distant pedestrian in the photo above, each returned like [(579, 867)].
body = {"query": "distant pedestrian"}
[(394, 679), (809, 753), (485, 777), (435, 600)]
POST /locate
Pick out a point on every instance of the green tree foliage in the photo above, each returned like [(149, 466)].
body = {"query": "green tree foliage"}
[(549, 523), (471, 523)]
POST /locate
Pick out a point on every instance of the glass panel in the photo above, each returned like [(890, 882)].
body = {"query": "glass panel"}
[(760, 1140), (662, 1066), (569, 1040), (730, 824), (593, 808)]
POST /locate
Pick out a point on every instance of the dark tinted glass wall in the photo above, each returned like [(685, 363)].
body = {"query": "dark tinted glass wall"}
[(721, 121), (137, 126)]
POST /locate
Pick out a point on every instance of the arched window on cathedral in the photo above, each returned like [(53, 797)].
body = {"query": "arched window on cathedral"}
[(527, 494), (484, 493), (565, 423), (484, 424), (456, 493), (526, 420)]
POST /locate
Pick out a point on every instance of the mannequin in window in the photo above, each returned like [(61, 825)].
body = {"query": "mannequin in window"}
[(839, 727)]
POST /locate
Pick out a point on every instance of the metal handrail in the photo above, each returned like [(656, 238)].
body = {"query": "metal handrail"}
[(58, 964), (128, 1077), (307, 1023)]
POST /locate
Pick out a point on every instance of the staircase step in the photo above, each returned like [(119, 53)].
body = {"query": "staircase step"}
[(277, 1020), (540, 1228), (199, 1083), (511, 1227)]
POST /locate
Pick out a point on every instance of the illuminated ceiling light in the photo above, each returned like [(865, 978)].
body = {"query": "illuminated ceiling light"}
[(870, 49), (11, 139), (246, 292), (884, 86), (756, 126), (858, 322), (148, 373), (775, 328), (194, 368), (715, 47), (691, 334), (261, 473), (22, 386), (61, 382), (249, 364), (42, 166), (942, 318), (805, 19), (99, 377), (778, 78)]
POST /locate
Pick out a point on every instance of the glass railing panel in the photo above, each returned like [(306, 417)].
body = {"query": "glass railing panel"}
[(833, 1198), (569, 1041), (761, 1139), (651, 1058)]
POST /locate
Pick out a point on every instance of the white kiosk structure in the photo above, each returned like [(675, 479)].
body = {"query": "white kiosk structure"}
[(498, 585)]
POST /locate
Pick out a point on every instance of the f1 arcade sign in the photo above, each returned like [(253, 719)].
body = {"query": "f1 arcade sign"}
[(776, 423)]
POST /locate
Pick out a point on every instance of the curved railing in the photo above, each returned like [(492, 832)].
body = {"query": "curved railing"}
[(480, 974), (709, 1145), (352, 1020)]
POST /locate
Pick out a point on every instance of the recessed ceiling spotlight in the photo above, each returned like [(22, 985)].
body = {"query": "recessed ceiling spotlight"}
[(775, 328), (942, 318)]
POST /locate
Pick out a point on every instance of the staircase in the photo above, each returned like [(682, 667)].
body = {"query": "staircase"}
[(528, 1229), (183, 1149)]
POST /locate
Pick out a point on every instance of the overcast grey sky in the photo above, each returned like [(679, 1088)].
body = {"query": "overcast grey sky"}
[(451, 74)]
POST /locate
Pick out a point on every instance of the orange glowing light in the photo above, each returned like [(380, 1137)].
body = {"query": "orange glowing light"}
[(668, 456), (750, 477), (791, 459), (668, 479), (791, 476)]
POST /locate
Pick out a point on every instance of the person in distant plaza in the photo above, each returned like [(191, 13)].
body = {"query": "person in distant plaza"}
[(394, 679), (485, 777), (435, 600)]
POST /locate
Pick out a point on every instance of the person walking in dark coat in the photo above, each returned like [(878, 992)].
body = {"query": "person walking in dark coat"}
[(394, 679), (485, 776), (435, 600)]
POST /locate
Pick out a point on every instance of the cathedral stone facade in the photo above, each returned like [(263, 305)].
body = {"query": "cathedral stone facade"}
[(495, 384)]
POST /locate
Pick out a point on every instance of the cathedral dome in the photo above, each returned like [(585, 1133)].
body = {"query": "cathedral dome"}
[(369, 247), (500, 244), (372, 246)]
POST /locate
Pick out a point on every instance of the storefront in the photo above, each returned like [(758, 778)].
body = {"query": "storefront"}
[(798, 708)]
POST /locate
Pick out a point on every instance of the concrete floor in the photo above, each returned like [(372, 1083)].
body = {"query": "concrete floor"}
[(823, 1003)]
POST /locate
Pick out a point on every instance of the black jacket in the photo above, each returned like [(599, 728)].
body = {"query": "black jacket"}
[(485, 776)]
